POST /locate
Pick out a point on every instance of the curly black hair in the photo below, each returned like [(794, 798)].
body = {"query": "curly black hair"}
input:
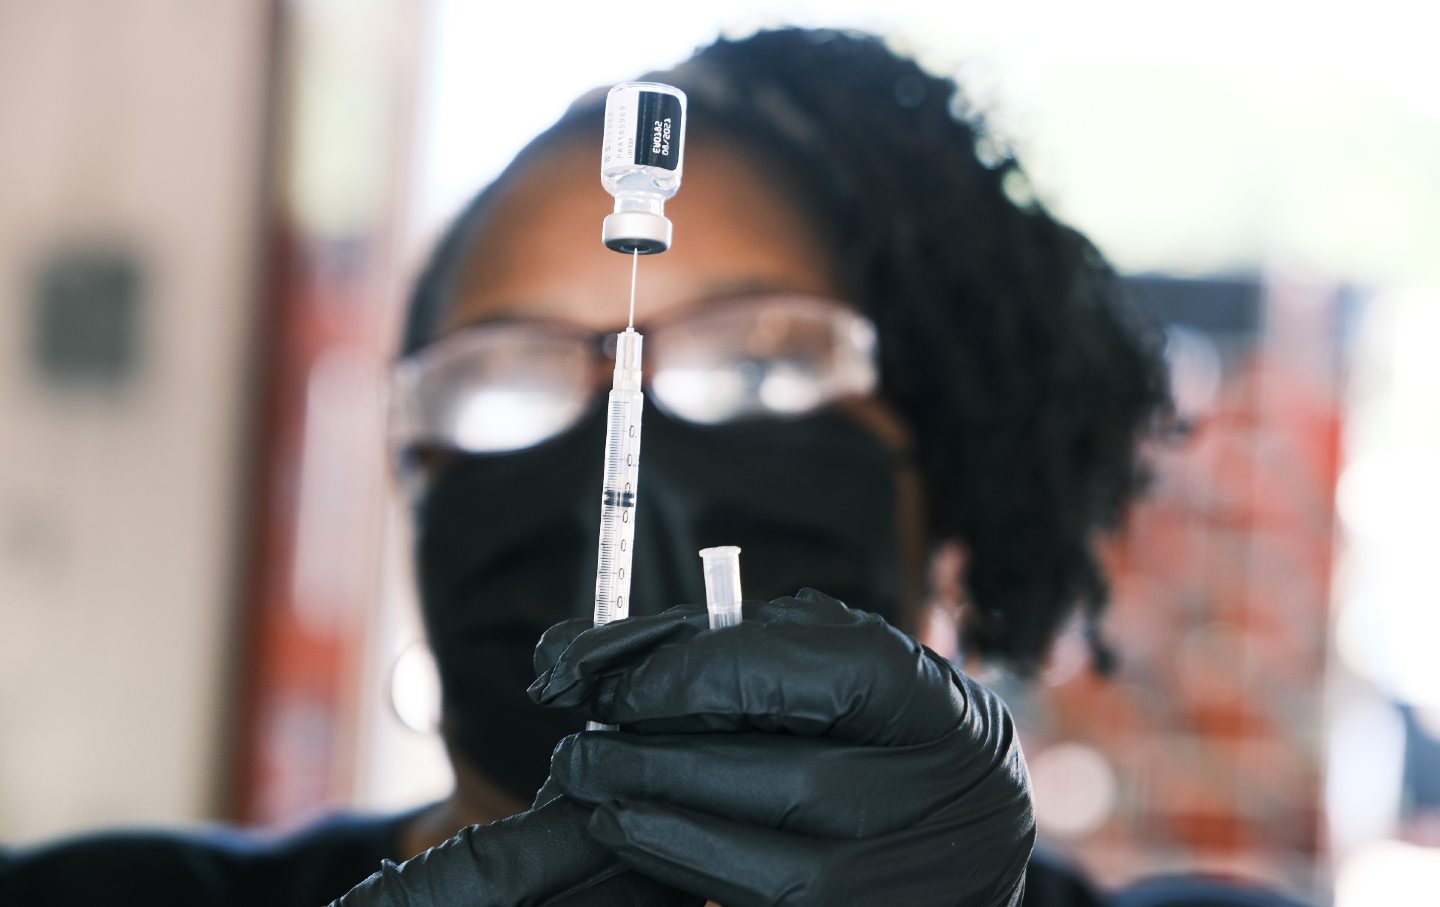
[(1027, 378)]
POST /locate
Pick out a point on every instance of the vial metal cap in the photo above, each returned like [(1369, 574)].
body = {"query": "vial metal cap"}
[(636, 231)]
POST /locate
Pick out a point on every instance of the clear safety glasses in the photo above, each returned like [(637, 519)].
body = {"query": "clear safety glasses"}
[(510, 385)]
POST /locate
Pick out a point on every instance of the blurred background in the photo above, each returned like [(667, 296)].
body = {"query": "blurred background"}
[(209, 214)]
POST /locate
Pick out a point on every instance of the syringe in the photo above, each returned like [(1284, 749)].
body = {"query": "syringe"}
[(640, 166), (622, 475), (622, 471)]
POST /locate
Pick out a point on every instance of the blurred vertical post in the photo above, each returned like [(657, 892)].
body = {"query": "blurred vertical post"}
[(343, 99)]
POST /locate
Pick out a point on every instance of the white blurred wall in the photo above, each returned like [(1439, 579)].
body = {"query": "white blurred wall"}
[(136, 125)]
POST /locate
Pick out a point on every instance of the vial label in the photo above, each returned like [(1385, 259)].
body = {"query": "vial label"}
[(657, 130), (642, 128)]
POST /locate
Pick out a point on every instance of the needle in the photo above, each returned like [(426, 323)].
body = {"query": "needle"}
[(634, 270)]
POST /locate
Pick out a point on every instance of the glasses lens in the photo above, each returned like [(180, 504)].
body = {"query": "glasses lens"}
[(779, 356), (491, 389)]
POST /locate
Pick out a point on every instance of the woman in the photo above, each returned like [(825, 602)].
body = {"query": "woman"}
[(829, 186), (814, 754)]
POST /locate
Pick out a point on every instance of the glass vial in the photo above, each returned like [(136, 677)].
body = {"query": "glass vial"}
[(640, 163)]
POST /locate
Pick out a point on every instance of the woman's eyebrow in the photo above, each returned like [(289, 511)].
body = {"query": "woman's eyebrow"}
[(748, 286), (737, 290), (517, 310)]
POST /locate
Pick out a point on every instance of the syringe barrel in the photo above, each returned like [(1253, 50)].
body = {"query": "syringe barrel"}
[(617, 506)]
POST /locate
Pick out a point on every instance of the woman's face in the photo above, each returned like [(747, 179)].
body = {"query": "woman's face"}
[(506, 543), (737, 234), (540, 255)]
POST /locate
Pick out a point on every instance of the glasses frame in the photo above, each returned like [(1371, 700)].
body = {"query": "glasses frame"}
[(406, 431)]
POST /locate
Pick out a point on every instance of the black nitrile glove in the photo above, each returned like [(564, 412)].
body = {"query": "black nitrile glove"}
[(541, 857), (810, 755)]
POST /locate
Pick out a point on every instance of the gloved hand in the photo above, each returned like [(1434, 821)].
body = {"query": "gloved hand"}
[(541, 857), (810, 755)]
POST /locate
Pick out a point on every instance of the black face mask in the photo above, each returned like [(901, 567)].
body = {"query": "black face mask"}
[(506, 547)]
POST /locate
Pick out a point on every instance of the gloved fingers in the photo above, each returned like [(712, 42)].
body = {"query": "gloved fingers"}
[(809, 785), (861, 681), (523, 860), (614, 886), (556, 639), (740, 865), (547, 792), (819, 608), (645, 631), (736, 864), (614, 644), (628, 889)]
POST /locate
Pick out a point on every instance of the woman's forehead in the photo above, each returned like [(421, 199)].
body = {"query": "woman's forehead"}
[(537, 251)]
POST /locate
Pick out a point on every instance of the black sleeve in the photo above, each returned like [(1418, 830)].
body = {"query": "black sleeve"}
[(1202, 891), (211, 868), (1051, 882), (121, 870)]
